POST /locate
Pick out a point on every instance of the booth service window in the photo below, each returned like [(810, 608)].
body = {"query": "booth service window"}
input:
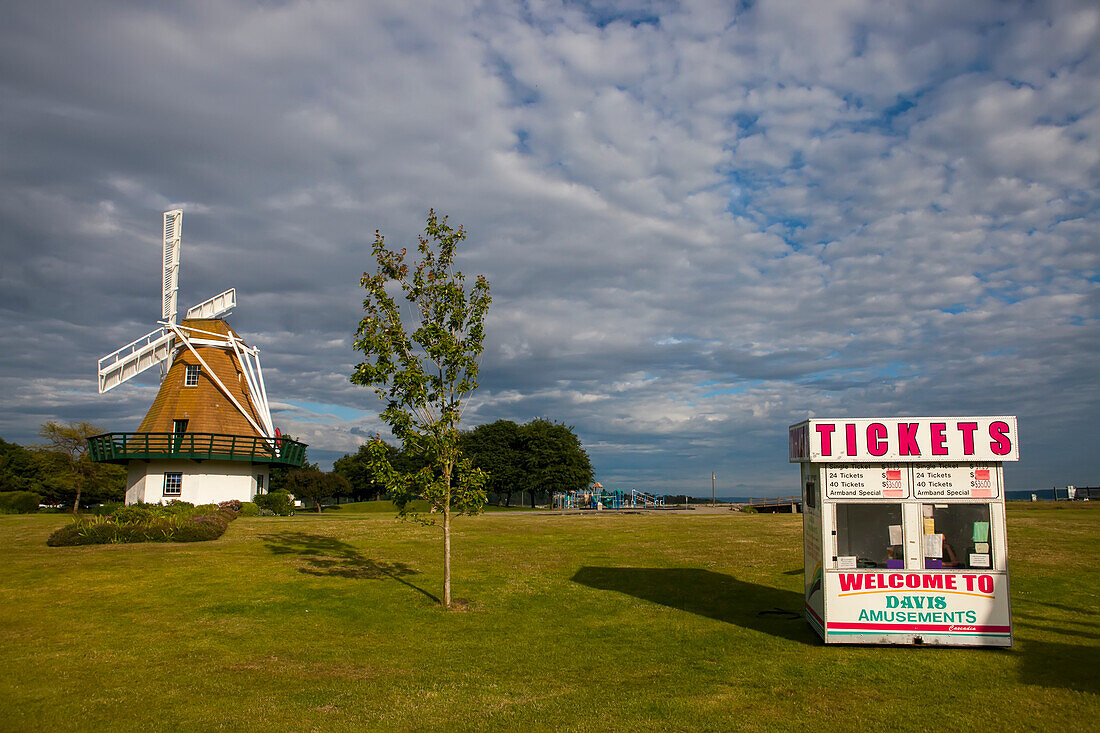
[(869, 536), (956, 536), (191, 376), (173, 484)]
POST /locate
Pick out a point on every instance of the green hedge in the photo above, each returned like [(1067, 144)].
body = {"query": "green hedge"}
[(19, 502), (174, 522)]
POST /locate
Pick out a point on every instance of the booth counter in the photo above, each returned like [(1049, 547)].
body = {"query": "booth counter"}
[(904, 529)]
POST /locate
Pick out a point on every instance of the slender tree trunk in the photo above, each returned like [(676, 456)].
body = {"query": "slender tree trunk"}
[(318, 503), (79, 488), (447, 536), (447, 555)]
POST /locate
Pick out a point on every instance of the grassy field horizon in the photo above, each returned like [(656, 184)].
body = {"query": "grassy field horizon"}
[(676, 621)]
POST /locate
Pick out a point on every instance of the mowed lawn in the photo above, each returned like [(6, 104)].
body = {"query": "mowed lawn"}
[(598, 622)]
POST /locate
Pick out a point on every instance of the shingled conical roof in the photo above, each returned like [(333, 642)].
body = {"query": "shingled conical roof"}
[(204, 406)]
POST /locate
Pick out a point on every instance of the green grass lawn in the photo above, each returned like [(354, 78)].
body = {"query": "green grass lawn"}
[(594, 622)]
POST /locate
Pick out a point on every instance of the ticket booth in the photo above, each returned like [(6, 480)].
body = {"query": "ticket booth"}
[(904, 529)]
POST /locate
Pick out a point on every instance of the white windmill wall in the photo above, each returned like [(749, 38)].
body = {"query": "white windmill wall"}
[(208, 482)]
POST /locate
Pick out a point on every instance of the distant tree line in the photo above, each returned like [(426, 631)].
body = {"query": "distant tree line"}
[(535, 459), (526, 462), (60, 470)]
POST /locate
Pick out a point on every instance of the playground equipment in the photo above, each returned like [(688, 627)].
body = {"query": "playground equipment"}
[(640, 499), (599, 498)]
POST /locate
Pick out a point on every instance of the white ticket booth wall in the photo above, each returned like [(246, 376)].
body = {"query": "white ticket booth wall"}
[(904, 529)]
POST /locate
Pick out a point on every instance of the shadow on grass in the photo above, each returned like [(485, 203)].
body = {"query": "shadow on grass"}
[(1067, 666), (1056, 664), (329, 557), (714, 595)]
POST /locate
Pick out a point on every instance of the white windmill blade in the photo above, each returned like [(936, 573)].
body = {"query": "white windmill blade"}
[(219, 305), (254, 377), (134, 358), (173, 229)]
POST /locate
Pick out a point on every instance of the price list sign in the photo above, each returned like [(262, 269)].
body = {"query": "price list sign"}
[(867, 481), (952, 481)]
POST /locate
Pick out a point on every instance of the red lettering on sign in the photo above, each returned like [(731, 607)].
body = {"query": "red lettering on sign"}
[(850, 439), (896, 581), (1001, 445), (933, 581), (851, 581), (967, 429), (826, 433), (907, 439), (985, 583), (912, 580), (939, 440), (876, 439), (951, 582), (969, 581)]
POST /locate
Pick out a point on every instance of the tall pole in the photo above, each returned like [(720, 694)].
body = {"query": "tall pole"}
[(712, 479)]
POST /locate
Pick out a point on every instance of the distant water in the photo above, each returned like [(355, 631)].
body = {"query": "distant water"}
[(1041, 494)]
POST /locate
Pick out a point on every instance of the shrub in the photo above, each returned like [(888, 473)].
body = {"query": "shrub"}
[(19, 502), (277, 502), (109, 508), (176, 522), (232, 505), (203, 528), (249, 509)]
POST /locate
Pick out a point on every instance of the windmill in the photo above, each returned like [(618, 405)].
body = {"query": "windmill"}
[(208, 435)]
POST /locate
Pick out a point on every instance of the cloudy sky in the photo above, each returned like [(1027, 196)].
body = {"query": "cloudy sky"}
[(702, 222)]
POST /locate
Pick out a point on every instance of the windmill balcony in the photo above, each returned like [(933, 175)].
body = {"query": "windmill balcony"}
[(125, 447)]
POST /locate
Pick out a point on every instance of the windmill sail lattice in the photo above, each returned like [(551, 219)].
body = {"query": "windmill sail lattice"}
[(173, 231)]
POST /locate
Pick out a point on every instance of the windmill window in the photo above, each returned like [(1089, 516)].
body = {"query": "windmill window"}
[(179, 426), (191, 376), (173, 484)]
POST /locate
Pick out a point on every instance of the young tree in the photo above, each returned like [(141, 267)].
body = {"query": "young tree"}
[(71, 442), (425, 372)]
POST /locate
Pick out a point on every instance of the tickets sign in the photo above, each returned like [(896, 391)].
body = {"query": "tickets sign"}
[(904, 440)]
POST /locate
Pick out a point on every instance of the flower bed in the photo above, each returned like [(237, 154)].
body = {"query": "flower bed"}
[(177, 521)]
